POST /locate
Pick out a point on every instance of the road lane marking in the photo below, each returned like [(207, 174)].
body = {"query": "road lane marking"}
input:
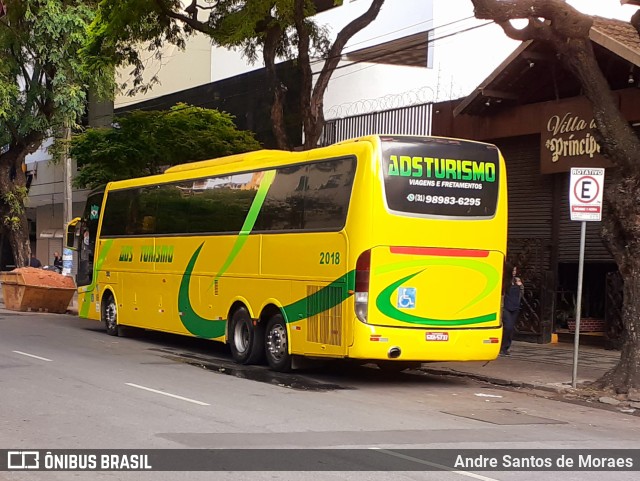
[(435, 465), (175, 396), (33, 356)]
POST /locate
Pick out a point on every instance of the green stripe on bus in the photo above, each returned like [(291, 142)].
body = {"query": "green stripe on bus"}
[(102, 256), (194, 323), (383, 303), (320, 300), (209, 328), (487, 270), (249, 222)]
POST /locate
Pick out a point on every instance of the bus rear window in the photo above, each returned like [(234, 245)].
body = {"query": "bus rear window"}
[(440, 177)]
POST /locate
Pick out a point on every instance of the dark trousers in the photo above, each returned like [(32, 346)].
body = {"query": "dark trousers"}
[(509, 326)]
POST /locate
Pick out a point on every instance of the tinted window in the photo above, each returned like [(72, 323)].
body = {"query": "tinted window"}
[(116, 213), (309, 197), (130, 212), (327, 196), (441, 177), (283, 207), (216, 204)]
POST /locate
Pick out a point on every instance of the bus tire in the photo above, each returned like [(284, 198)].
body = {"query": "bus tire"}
[(245, 338), (276, 343), (110, 315)]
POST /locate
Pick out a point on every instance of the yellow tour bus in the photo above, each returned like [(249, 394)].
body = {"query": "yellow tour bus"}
[(388, 249)]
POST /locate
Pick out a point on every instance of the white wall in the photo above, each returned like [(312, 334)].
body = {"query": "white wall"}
[(465, 52), (398, 18), (355, 86), (177, 70)]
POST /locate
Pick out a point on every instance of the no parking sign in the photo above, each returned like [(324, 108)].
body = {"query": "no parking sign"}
[(585, 194), (585, 201)]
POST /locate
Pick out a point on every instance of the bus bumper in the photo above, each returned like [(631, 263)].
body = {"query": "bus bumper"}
[(424, 344)]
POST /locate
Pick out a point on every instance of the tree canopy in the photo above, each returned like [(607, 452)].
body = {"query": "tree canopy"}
[(43, 87), (277, 28), (143, 142)]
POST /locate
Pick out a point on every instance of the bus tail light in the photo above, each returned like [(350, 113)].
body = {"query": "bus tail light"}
[(363, 267)]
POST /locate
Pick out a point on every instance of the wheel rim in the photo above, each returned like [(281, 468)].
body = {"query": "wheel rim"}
[(277, 342), (241, 336), (111, 315)]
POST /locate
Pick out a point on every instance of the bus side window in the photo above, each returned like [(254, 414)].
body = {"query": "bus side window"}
[(284, 204), (327, 197)]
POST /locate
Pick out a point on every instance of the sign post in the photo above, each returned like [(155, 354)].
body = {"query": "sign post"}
[(585, 202)]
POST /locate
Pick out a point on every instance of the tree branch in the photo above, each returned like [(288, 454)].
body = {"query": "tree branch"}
[(190, 20), (335, 54), (561, 18)]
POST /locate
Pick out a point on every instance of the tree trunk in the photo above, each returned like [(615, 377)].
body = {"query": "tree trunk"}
[(306, 76), (621, 227), (313, 113), (277, 89), (14, 217), (626, 374), (620, 233)]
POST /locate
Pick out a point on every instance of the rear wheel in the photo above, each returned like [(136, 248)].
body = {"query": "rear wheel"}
[(277, 344), (245, 338), (110, 314)]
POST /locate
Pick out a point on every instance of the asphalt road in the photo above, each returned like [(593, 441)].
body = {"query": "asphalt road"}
[(65, 384)]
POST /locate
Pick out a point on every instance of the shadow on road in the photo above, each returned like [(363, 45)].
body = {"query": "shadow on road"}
[(313, 375)]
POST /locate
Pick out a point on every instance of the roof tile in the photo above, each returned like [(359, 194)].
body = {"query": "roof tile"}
[(618, 30)]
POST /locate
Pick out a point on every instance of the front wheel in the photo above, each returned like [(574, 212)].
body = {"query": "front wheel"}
[(110, 315), (277, 344)]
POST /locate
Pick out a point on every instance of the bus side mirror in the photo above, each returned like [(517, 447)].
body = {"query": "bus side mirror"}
[(70, 238)]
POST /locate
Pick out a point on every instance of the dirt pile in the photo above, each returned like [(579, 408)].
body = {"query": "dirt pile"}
[(42, 278)]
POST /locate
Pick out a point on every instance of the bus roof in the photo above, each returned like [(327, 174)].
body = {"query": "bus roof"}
[(245, 161), (250, 160), (246, 157)]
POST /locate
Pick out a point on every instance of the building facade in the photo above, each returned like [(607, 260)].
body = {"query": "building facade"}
[(533, 110)]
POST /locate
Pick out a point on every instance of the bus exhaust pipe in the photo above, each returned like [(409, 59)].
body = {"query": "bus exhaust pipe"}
[(394, 353)]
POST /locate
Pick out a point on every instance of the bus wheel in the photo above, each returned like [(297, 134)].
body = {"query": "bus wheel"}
[(110, 315), (277, 344), (245, 339)]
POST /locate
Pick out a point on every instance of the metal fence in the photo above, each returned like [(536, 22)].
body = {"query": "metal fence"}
[(412, 120)]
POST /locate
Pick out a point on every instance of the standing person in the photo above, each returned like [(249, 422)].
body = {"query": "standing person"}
[(511, 308), (34, 261), (57, 261)]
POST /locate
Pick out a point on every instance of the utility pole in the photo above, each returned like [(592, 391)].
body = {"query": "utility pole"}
[(67, 202)]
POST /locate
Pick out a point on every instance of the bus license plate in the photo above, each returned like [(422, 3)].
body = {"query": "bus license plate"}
[(437, 336)]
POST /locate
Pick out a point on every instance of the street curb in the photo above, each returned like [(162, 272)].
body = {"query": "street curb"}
[(500, 381)]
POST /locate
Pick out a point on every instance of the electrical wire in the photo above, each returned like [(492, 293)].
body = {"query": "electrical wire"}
[(161, 101)]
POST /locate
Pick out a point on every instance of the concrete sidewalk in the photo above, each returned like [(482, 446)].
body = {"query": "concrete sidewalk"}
[(546, 367), (537, 366)]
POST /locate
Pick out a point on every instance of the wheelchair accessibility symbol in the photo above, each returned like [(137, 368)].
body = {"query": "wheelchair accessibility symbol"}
[(406, 298)]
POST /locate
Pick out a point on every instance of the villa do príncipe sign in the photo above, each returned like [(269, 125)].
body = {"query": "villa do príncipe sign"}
[(567, 137)]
